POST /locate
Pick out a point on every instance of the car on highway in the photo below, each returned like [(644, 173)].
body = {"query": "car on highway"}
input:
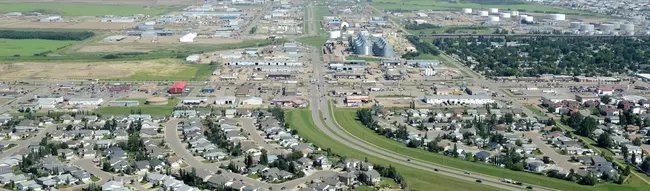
[(435, 169), (466, 172), (529, 187), (479, 181)]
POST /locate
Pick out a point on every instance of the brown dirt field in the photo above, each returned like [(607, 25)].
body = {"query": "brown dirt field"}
[(114, 2), (100, 70), (136, 44)]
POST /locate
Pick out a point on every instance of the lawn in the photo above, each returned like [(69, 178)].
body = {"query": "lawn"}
[(346, 118), (316, 41), (192, 72), (94, 178), (364, 188), (29, 47), (80, 9), (435, 5), (300, 119), (253, 176), (388, 183), (535, 110), (158, 110)]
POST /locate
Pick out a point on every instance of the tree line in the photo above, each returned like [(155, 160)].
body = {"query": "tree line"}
[(46, 35)]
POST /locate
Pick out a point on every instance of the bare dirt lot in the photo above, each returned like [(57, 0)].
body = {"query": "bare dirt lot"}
[(95, 70), (137, 44)]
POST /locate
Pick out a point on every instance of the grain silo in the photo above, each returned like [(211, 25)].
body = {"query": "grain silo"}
[(514, 13), (587, 28), (467, 10), (483, 13), (493, 19), (493, 10)]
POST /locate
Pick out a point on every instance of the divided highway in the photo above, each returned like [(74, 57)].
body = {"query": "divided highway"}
[(319, 105)]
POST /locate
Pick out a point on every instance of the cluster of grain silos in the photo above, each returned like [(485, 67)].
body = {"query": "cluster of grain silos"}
[(558, 17), (467, 10)]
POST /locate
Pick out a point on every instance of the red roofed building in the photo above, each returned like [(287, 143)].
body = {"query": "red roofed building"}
[(178, 88)]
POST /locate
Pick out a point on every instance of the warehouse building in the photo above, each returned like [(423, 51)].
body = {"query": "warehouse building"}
[(252, 101), (225, 100), (245, 63), (124, 103), (177, 88), (194, 100), (458, 100), (353, 101), (423, 63), (85, 101)]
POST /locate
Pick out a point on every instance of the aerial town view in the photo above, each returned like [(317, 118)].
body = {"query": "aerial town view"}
[(325, 95)]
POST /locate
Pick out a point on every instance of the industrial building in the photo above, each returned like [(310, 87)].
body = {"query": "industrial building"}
[(244, 63), (377, 46), (124, 103), (85, 101), (225, 100), (252, 101), (177, 88), (458, 99)]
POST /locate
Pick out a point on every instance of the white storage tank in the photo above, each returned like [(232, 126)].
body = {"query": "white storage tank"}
[(627, 27), (493, 19), (505, 15), (586, 27), (467, 11), (335, 34), (493, 10), (527, 18), (514, 13), (150, 23), (558, 17), (607, 28), (576, 25), (615, 33), (483, 13), (617, 25)]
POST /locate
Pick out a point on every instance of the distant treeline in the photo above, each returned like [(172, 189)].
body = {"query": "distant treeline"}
[(46, 35), (413, 26)]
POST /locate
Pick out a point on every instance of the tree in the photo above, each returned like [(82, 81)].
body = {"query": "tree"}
[(248, 161), (625, 151), (636, 142), (606, 99), (590, 179), (604, 140), (645, 166), (508, 118), (518, 142), (587, 126), (264, 159), (469, 156), (551, 109)]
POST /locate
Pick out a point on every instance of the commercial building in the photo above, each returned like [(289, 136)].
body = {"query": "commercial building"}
[(225, 100), (252, 101), (194, 100), (246, 63), (85, 101), (352, 101), (458, 100), (124, 103), (177, 88)]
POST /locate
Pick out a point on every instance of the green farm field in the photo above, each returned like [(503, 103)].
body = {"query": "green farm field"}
[(29, 47), (80, 9), (346, 118), (300, 119)]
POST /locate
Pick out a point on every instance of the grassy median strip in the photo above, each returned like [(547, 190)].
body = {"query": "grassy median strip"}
[(347, 119), (416, 179)]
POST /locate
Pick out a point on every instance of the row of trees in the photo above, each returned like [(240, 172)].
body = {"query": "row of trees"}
[(217, 136), (423, 47), (47, 35)]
